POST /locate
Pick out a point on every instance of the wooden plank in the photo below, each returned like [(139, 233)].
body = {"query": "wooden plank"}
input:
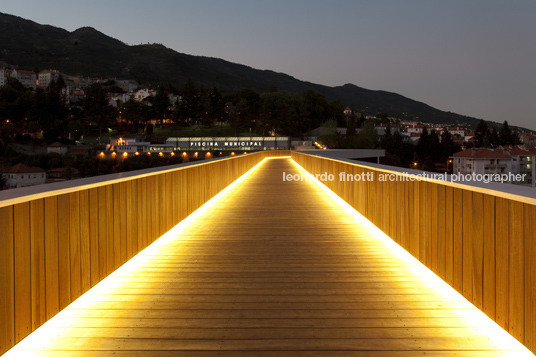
[(94, 236), (449, 235), (64, 261), (102, 232), (122, 213), (441, 231), (117, 207), (127, 207), (530, 276), (37, 237), (51, 257), (488, 273), (74, 245), (478, 248), (427, 224), (7, 282), (467, 254), (136, 247), (22, 261), (516, 278), (501, 261), (140, 214), (85, 260), (458, 239), (415, 233), (110, 251), (434, 245)]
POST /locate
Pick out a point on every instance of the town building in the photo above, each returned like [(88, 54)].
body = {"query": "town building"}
[(415, 129), (21, 175), (527, 138), (46, 77), (27, 78), (57, 147), (457, 132), (519, 159), (143, 94)]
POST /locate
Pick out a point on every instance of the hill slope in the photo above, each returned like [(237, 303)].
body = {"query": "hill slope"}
[(89, 52)]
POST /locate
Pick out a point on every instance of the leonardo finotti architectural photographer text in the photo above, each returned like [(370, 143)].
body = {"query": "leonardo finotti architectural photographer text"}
[(404, 176)]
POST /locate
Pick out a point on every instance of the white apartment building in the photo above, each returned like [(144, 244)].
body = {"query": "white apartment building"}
[(21, 175), (415, 129), (26, 78), (456, 131), (518, 159), (47, 76)]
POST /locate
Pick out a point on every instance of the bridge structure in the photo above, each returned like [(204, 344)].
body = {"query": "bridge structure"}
[(253, 255)]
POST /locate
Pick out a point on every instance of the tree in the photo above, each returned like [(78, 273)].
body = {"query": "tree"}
[(188, 108), (505, 135), (96, 110), (422, 143), (482, 134), (215, 107), (448, 145), (161, 103), (494, 140), (352, 124)]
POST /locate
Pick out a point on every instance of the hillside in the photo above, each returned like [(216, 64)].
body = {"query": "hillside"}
[(89, 52)]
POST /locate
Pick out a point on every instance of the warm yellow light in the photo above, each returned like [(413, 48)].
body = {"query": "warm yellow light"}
[(195, 154), (148, 153), (114, 154), (172, 154), (47, 335), (125, 154), (184, 154), (233, 154), (136, 153), (208, 155), (101, 154), (160, 154), (472, 315)]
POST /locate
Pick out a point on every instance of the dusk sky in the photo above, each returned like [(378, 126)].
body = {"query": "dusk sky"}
[(473, 57)]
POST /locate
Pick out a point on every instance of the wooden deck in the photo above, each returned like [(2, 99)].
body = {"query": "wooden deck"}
[(271, 267)]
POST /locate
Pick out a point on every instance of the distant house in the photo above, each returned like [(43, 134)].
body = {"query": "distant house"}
[(517, 159), (21, 175), (144, 93), (27, 78), (457, 132), (416, 129), (57, 147), (46, 77), (527, 138)]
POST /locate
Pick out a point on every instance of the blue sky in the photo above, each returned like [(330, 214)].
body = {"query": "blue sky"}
[(473, 57)]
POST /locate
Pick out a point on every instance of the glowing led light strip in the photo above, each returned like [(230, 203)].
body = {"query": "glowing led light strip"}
[(497, 333), (46, 331)]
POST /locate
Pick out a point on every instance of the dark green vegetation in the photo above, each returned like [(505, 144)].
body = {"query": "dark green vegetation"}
[(87, 51)]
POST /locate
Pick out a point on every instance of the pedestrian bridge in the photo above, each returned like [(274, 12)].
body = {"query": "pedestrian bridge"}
[(266, 265)]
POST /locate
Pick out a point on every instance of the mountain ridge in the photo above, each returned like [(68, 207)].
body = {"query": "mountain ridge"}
[(87, 51)]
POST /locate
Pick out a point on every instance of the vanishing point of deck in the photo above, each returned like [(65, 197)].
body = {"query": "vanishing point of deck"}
[(272, 266)]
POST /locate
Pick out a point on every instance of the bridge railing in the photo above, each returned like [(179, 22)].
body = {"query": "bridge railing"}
[(480, 241), (62, 239)]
